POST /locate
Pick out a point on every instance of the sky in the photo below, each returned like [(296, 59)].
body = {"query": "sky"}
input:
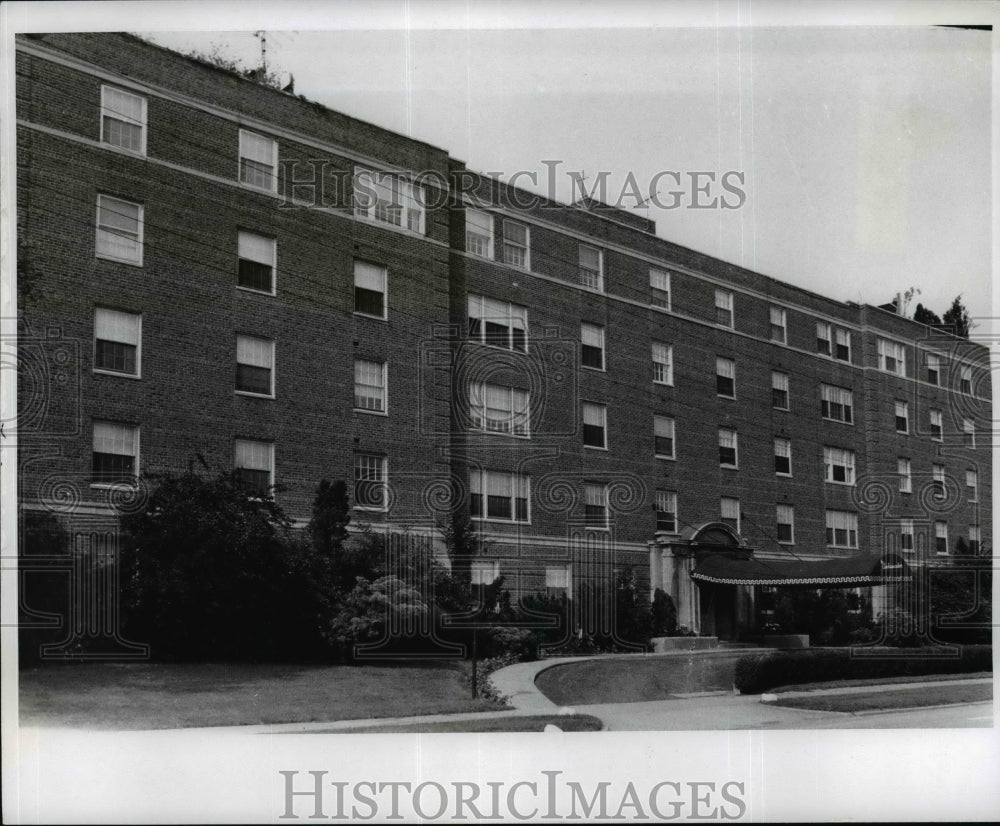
[(863, 153)]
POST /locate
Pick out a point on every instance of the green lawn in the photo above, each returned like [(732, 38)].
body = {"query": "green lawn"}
[(169, 695), (632, 680), (535, 722), (946, 693)]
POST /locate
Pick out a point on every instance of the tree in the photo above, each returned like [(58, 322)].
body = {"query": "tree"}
[(957, 317), (331, 513), (925, 316)]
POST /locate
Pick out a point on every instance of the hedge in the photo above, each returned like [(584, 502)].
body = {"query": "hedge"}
[(759, 672)]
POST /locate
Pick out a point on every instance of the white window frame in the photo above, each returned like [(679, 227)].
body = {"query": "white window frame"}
[(779, 325), (257, 341), (273, 187), (479, 233), (833, 394), (484, 572), (602, 411), (665, 427), (663, 363), (589, 334), (939, 480), (824, 336), (941, 532), (508, 244), (972, 490), (383, 471), (891, 357), (112, 315), (904, 470), (518, 409), (108, 111), (584, 270), (906, 529), (902, 412), (244, 241), (382, 387), (400, 193), (725, 368), (384, 273), (478, 307), (730, 502), (846, 521), (839, 457), (253, 445), (933, 362), (724, 302), (108, 202), (723, 442), (602, 487), (482, 481), (783, 450), (789, 512), (969, 433), (965, 380), (559, 578), (975, 538), (937, 420), (665, 501), (657, 279), (134, 437), (780, 382), (838, 334)]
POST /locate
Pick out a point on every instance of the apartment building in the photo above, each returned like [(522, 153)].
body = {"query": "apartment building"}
[(227, 274)]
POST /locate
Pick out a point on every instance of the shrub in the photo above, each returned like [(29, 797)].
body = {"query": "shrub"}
[(484, 686), (386, 611), (663, 614), (759, 672)]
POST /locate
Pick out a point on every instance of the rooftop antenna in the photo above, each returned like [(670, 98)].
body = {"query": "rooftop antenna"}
[(262, 36)]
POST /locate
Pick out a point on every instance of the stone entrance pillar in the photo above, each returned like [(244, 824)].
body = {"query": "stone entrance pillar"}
[(670, 566)]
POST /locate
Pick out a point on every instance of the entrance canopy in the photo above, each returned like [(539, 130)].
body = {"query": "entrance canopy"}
[(723, 567)]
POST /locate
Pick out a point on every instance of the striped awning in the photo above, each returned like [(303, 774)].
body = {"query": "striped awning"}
[(733, 568)]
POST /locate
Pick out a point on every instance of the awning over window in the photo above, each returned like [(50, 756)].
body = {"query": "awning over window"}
[(729, 568)]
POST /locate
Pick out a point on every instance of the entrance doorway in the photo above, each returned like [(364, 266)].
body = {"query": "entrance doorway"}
[(718, 611)]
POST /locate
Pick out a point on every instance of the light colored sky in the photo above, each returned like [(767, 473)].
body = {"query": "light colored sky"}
[(865, 151)]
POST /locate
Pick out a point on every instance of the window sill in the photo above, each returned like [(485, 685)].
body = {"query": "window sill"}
[(784, 475), (724, 396), (665, 458), (482, 343), (784, 409), (604, 529), (378, 222), (127, 261), (250, 395), (593, 369), (243, 289), (837, 421), (662, 383), (372, 317), (134, 153), (729, 467), (524, 437), (498, 521), (788, 544), (595, 447), (382, 413), (267, 190), (102, 372), (839, 484), (113, 485), (367, 509)]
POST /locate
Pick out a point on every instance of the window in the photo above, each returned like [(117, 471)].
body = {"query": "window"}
[(594, 425), (965, 381), (369, 386), (498, 323), (116, 453), (253, 463), (258, 161), (903, 468), (891, 357), (595, 504), (254, 365), (117, 338), (941, 537), (663, 363), (837, 403), (499, 409), (484, 573), (779, 327), (386, 198), (838, 465), (974, 539), (659, 287), (972, 485), (516, 249), (370, 482), (369, 289), (969, 432), (663, 437), (933, 369), (591, 272), (504, 495), (123, 119), (786, 524), (730, 509), (937, 472), (823, 339), (725, 377), (842, 350), (119, 230), (724, 308), (257, 256), (783, 457), (592, 352), (936, 426), (479, 233), (557, 580), (779, 390), (842, 529), (728, 448), (906, 535), (666, 511), (902, 417)]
